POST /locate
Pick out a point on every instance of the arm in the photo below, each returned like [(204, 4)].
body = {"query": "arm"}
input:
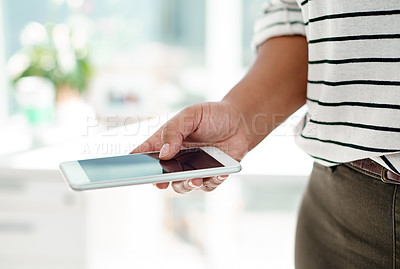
[(274, 87)]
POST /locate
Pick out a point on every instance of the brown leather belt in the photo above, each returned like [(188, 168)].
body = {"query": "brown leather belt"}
[(376, 169)]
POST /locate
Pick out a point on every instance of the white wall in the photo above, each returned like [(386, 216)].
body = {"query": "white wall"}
[(223, 45), (3, 87)]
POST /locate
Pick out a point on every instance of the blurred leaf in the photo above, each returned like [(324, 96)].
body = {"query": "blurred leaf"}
[(44, 59)]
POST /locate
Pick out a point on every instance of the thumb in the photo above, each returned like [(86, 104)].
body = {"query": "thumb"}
[(176, 130)]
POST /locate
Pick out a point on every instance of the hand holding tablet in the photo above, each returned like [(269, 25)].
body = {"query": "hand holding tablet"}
[(145, 168)]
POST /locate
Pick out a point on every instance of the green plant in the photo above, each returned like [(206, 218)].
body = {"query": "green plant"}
[(55, 52)]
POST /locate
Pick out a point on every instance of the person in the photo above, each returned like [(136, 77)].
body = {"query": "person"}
[(342, 59)]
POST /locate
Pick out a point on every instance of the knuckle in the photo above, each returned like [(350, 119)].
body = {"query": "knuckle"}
[(216, 181), (207, 189), (209, 184), (179, 187), (188, 111), (146, 144), (187, 185)]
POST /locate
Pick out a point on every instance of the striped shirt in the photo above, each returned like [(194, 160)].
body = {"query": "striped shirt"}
[(353, 94)]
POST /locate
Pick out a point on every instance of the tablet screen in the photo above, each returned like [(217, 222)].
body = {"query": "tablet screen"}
[(147, 164)]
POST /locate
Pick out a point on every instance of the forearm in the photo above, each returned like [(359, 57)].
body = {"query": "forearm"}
[(274, 88)]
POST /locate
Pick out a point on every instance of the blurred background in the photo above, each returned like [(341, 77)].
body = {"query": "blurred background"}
[(95, 78)]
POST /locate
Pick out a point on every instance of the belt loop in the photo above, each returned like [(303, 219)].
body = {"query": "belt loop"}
[(385, 179)]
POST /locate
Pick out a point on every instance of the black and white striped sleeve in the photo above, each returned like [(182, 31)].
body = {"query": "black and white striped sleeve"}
[(279, 18)]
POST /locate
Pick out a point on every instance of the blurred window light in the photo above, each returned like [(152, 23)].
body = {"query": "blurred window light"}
[(121, 38), (250, 11), (33, 33), (124, 24), (75, 3), (166, 37), (58, 2), (4, 106)]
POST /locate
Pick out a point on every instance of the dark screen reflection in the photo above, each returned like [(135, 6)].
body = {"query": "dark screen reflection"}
[(187, 160), (142, 165)]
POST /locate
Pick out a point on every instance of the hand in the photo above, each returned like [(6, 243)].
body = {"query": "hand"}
[(275, 85), (207, 124)]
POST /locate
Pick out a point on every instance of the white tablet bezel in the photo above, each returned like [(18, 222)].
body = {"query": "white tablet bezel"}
[(78, 180)]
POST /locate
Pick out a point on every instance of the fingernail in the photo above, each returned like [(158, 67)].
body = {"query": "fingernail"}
[(197, 182), (164, 151), (190, 183), (161, 187), (221, 178)]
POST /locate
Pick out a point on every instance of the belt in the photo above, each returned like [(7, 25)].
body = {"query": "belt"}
[(376, 169)]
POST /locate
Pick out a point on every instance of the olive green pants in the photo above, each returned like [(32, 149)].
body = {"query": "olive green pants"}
[(348, 219)]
